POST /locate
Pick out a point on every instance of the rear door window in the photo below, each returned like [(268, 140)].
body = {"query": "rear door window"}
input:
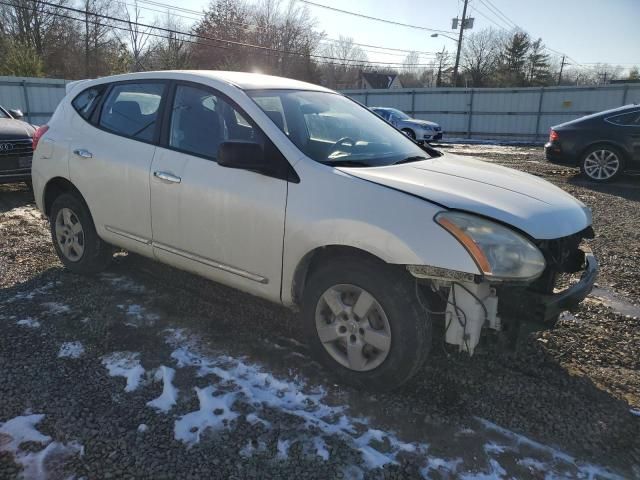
[(131, 109), (631, 119)]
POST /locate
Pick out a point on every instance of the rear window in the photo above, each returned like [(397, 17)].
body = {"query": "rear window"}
[(626, 119), (86, 101)]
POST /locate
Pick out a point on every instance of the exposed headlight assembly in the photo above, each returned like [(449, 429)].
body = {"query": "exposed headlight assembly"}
[(499, 252)]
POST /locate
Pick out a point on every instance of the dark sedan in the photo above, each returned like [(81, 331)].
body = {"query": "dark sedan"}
[(16, 147), (603, 145)]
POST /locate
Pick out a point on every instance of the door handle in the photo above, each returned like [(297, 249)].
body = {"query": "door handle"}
[(167, 177), (81, 152)]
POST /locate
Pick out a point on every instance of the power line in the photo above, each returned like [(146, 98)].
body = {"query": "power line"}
[(361, 15), (491, 7), (320, 58)]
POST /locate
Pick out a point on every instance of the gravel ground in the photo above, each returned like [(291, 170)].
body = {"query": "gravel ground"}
[(234, 393)]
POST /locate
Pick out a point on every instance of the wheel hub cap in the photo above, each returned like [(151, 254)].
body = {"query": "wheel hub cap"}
[(601, 164), (69, 234), (353, 327)]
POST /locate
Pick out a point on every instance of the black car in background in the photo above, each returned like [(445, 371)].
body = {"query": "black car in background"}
[(16, 147), (603, 145)]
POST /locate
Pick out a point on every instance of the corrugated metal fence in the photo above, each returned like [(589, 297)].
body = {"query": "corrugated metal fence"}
[(523, 114), (36, 97)]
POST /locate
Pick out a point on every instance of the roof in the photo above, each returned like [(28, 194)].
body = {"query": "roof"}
[(379, 80), (242, 80)]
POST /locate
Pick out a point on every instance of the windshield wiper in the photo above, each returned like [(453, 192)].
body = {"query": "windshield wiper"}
[(415, 158)]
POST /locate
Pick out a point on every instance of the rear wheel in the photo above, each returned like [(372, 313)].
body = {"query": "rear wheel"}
[(602, 163), (364, 322), (74, 236)]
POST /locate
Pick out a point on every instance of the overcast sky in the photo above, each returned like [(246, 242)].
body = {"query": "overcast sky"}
[(588, 31)]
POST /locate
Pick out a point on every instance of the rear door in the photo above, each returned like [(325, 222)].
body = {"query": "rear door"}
[(111, 157), (223, 223)]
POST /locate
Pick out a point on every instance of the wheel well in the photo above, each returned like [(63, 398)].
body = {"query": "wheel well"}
[(322, 255), (56, 187), (407, 129), (603, 144)]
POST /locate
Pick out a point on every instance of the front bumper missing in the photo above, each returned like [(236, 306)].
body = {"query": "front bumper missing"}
[(543, 309)]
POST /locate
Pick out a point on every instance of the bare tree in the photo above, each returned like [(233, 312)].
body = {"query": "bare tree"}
[(443, 61), (480, 56), (137, 36), (345, 63), (174, 51)]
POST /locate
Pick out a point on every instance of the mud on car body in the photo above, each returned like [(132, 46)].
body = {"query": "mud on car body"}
[(299, 195)]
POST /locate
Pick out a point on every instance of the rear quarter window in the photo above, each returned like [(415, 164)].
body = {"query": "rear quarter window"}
[(631, 119), (86, 101)]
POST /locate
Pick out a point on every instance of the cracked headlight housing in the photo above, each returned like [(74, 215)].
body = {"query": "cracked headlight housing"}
[(500, 252)]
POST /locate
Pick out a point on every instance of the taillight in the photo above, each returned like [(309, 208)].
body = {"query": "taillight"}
[(40, 131), (553, 136)]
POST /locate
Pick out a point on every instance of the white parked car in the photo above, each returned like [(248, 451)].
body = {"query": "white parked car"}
[(299, 195)]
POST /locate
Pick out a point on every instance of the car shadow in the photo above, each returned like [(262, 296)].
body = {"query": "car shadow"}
[(627, 186)]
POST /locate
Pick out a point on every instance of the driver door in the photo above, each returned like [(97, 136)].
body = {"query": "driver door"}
[(226, 224)]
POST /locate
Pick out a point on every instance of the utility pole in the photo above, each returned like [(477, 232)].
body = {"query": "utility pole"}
[(462, 25), (561, 68)]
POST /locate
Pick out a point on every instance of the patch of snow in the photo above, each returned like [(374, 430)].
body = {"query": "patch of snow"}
[(283, 449), (143, 427), (139, 315), (440, 465), (250, 448), (19, 430), (31, 294), (56, 308), (35, 465), (127, 365), (28, 322), (28, 212), (239, 380), (169, 395), (71, 350), (123, 283), (321, 448)]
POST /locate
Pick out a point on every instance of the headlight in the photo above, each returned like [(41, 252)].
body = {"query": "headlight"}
[(498, 251), (427, 127)]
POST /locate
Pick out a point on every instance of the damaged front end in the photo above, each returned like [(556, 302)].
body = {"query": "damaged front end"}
[(474, 306)]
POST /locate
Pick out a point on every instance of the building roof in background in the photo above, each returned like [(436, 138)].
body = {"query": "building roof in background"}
[(379, 80)]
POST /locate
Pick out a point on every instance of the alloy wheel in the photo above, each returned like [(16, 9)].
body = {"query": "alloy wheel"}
[(353, 327), (601, 164), (69, 234)]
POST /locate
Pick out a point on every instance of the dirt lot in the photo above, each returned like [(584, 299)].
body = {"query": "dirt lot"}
[(147, 372)]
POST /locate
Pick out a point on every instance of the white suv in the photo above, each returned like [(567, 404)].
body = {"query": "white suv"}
[(299, 195)]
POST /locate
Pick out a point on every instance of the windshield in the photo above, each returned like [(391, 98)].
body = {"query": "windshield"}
[(3, 114), (332, 129)]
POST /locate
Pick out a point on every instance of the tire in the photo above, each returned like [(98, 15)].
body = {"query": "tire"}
[(80, 249), (602, 163), (393, 290), (409, 133)]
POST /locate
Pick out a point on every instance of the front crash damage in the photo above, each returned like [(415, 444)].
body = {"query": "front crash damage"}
[(476, 307)]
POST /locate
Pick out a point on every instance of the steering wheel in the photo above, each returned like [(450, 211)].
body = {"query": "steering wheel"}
[(341, 142)]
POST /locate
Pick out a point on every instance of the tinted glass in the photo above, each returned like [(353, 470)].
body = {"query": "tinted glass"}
[(201, 121), (2, 114), (86, 101), (131, 109), (631, 119), (330, 128)]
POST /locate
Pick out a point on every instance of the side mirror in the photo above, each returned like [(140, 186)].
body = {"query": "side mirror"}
[(16, 113), (243, 155)]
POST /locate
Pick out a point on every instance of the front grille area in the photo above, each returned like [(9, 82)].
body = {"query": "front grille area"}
[(15, 155), (565, 261)]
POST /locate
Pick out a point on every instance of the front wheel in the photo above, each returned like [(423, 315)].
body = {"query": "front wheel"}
[(409, 133), (365, 324), (602, 163)]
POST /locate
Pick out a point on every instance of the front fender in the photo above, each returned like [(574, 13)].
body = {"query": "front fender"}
[(338, 209)]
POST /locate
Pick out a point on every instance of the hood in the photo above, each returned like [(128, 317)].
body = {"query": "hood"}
[(11, 129), (524, 201), (427, 123)]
